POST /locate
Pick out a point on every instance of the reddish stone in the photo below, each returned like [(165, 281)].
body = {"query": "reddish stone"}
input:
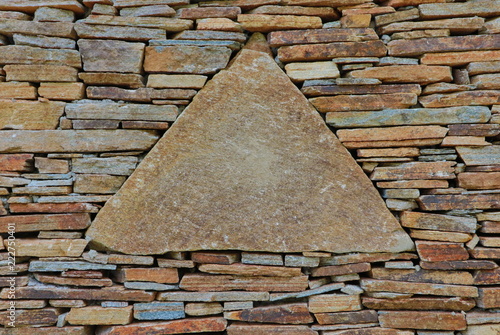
[(215, 257), (479, 181), (287, 314), (16, 162), (77, 207), (341, 103), (27, 317), (459, 201), (423, 320), (185, 326), (485, 253), (421, 303), (468, 98), (347, 317), (338, 270), (361, 89), (25, 223), (459, 265), (157, 275), (441, 251), (487, 277), (311, 36), (256, 329), (489, 297)]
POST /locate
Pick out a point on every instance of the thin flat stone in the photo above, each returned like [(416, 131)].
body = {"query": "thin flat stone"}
[(233, 45), (30, 115), (43, 266), (213, 296), (107, 110), (291, 209)]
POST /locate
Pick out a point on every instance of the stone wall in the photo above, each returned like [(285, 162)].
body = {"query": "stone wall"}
[(410, 88)]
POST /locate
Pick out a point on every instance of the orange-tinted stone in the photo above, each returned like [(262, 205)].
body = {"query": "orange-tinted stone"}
[(287, 314)]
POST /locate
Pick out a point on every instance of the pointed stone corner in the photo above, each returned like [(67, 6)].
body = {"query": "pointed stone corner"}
[(249, 165)]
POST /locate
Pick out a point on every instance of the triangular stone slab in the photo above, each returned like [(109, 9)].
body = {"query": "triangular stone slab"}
[(249, 165)]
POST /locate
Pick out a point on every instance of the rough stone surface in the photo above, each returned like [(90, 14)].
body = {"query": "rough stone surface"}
[(270, 186), (30, 115)]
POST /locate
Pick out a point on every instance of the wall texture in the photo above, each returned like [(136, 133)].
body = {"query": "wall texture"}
[(410, 88)]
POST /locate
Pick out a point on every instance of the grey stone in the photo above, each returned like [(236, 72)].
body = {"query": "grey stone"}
[(42, 266), (149, 286), (159, 311)]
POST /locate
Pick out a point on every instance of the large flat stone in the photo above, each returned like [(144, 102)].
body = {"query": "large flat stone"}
[(421, 74), (22, 54), (230, 181), (75, 140), (470, 8), (106, 110), (30, 115), (111, 56)]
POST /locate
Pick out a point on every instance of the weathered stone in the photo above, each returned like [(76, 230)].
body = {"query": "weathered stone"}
[(355, 20), (483, 66), (114, 79), (146, 27), (421, 74), (30, 115), (19, 162), (157, 275), (281, 38), (267, 23), (337, 270), (140, 95), (316, 90), (214, 24), (314, 291), (137, 3), (250, 270), (111, 56), (50, 248), (186, 59), (486, 81), (421, 303), (422, 320), (392, 134), (20, 54), (49, 14), (326, 13), (215, 257), (244, 329), (176, 81), (288, 314), (477, 318), (490, 329), (57, 29), (67, 330), (117, 32), (193, 36), (185, 326), (347, 317), (26, 223), (261, 258), (89, 282), (460, 58), (159, 311), (341, 103), (489, 297), (364, 257), (333, 3), (14, 90), (62, 91), (32, 6), (113, 294), (315, 70), (456, 25), (459, 265), (404, 15), (94, 315), (415, 170), (418, 116), (487, 97), (485, 253), (201, 309), (487, 277), (47, 266), (403, 3), (213, 296), (227, 83), (301, 261), (444, 10), (95, 124), (438, 222), (44, 41), (197, 282), (479, 181), (374, 285), (98, 183), (314, 52), (48, 165), (462, 201), (479, 156), (30, 317), (441, 251), (39, 73), (329, 303), (154, 10), (423, 183), (209, 12), (107, 165)]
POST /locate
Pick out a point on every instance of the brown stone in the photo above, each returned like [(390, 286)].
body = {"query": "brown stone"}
[(49, 247), (487, 277), (459, 265), (145, 125), (154, 10), (479, 181), (338, 270), (209, 12), (483, 66), (415, 170), (330, 303), (456, 25), (95, 124), (355, 20), (421, 74), (423, 320), (176, 81), (20, 54), (62, 91), (19, 162), (26, 223), (112, 294), (49, 165), (9, 27), (140, 95), (438, 222), (474, 98), (288, 314), (197, 282), (392, 134), (32, 6), (111, 56), (325, 13), (313, 52), (403, 15), (222, 24), (90, 282), (365, 257), (67, 330), (95, 315), (267, 23), (486, 130), (106, 229), (485, 253), (186, 59), (418, 34), (150, 26), (389, 152), (117, 32), (39, 73), (424, 276), (423, 183), (403, 3), (27, 317), (460, 58), (210, 35), (157, 275), (185, 326), (491, 227), (444, 10), (444, 236), (328, 35), (30, 115), (462, 201), (486, 81), (313, 70), (246, 329), (332, 3), (421, 303), (347, 317), (441, 251), (215, 257), (360, 89), (114, 79), (489, 297), (341, 103), (98, 183), (250, 270), (14, 90), (375, 285), (75, 140)]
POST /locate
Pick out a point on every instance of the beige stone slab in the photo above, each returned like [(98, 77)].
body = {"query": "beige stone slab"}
[(94, 315), (201, 309), (218, 24), (106, 110), (30, 115), (330, 303), (460, 58), (62, 91), (470, 8), (115, 79), (457, 25), (39, 73), (13, 141), (250, 270), (56, 29), (308, 71), (153, 10), (467, 98), (21, 54), (415, 170), (16, 90), (128, 33), (247, 80), (391, 133), (326, 13), (98, 183), (406, 73), (418, 34), (403, 15), (32, 6), (154, 23), (176, 81), (267, 23), (49, 248), (326, 35)]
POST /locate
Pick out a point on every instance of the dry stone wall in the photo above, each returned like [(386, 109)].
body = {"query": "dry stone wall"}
[(410, 87)]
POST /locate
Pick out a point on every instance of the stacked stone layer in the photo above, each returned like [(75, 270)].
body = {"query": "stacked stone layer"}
[(410, 88)]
